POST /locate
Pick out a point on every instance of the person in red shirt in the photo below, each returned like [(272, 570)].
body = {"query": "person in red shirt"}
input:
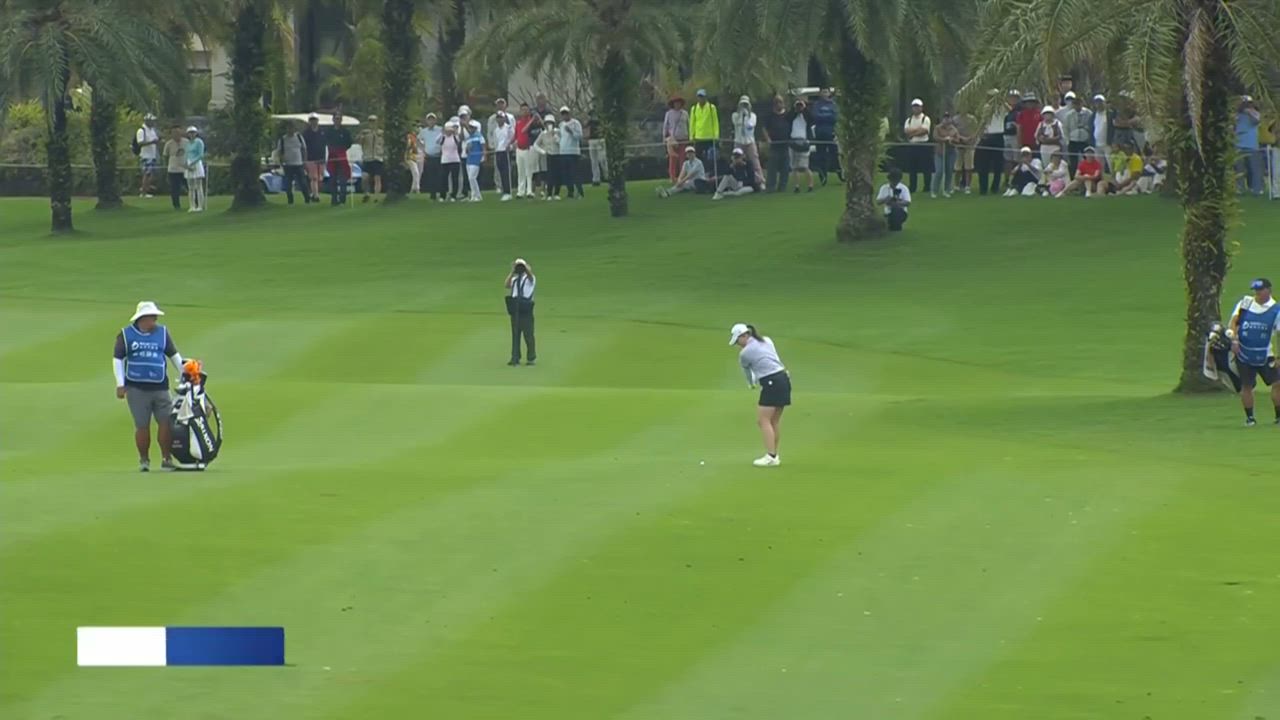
[(338, 140), (526, 163), (1029, 121), (1088, 175)]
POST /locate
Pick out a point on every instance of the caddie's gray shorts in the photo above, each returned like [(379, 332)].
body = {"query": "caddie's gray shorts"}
[(147, 404)]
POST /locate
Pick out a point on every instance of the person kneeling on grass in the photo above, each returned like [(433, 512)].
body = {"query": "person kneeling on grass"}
[(1254, 321), (693, 176), (740, 180), (1025, 176), (1088, 175), (896, 198)]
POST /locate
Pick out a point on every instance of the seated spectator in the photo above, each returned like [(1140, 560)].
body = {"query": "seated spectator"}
[(1153, 172), (896, 198), (1088, 175), (692, 178), (1056, 175), (740, 180), (1025, 176), (1128, 169)]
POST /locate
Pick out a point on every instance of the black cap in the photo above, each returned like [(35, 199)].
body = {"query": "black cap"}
[(1260, 284)]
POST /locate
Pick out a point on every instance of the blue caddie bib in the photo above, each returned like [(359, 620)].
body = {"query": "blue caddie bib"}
[(1255, 334), (144, 360)]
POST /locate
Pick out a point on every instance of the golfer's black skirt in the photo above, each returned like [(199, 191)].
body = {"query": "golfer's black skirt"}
[(775, 390)]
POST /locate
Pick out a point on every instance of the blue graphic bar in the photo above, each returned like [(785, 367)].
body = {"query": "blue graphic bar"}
[(224, 646)]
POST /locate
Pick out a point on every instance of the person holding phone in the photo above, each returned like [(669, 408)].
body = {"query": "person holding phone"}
[(896, 198), (520, 285)]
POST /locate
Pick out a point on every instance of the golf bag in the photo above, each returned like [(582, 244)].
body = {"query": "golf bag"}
[(1219, 362), (196, 424)]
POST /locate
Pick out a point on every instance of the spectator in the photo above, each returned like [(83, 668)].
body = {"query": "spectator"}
[(541, 107), (1026, 175), (1153, 171), (945, 137), (570, 152), (195, 170), (777, 128), (692, 177), (896, 198), (1029, 118), (989, 158), (966, 149), (1267, 130), (338, 141), (374, 146), (429, 156), (917, 130), (473, 145), (744, 136), (1049, 135), (1128, 170), (148, 141), (450, 162), (491, 125), (542, 125), (1249, 166), (412, 159), (1088, 175), (525, 162), (291, 153), (825, 114), (548, 149), (801, 141), (504, 138), (467, 126), (1055, 177), (313, 137), (1012, 131), (1126, 127), (740, 180), (1103, 121), (1077, 125), (595, 148), (1066, 87), (675, 135), (175, 151), (704, 130)]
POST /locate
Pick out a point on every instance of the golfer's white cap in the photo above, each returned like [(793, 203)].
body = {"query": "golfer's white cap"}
[(690, 149), (1025, 150), (149, 116), (737, 331), (1246, 98), (192, 128), (738, 151), (148, 307), (1048, 110)]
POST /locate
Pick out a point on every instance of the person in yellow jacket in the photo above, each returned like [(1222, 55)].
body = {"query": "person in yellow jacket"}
[(704, 131)]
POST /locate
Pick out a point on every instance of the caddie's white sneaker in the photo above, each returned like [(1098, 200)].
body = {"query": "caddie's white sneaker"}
[(767, 461)]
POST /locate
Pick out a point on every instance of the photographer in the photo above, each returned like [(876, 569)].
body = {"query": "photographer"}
[(520, 283), (896, 198)]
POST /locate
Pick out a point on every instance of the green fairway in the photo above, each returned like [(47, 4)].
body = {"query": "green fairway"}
[(990, 506)]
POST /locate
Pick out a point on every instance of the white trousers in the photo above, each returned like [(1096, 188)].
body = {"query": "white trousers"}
[(473, 176), (526, 165)]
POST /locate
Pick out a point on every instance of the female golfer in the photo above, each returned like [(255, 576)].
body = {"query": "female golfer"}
[(760, 363)]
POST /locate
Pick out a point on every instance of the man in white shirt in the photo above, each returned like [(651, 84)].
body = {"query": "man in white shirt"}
[(503, 137), (520, 285), (918, 128), (744, 136), (896, 198), (1025, 178), (148, 140)]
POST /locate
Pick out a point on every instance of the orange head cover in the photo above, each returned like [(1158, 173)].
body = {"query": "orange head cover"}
[(192, 369)]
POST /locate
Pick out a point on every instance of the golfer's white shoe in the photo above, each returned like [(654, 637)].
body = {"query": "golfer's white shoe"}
[(767, 461)]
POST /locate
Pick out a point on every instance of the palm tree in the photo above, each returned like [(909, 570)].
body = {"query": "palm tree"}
[(757, 40), (612, 42), (248, 83), (400, 38), (1184, 61), (44, 44)]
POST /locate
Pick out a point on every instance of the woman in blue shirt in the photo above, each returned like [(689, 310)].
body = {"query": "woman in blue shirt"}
[(474, 145), (195, 170)]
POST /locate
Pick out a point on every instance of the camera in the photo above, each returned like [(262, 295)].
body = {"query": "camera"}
[(519, 269)]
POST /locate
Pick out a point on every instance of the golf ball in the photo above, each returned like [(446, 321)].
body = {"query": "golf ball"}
[(702, 462)]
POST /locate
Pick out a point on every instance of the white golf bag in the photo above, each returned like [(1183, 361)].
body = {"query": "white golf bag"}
[(196, 425), (1219, 362)]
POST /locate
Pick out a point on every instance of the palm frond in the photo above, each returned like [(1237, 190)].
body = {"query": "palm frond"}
[(1252, 36), (1195, 53)]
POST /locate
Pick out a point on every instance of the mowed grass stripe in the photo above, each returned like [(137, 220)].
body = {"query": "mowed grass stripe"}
[(906, 612), (429, 552), (1184, 610), (650, 596)]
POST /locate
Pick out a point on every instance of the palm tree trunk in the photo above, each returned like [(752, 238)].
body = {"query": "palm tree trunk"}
[(862, 103), (402, 43), (617, 92), (1208, 200), (248, 60), (102, 135), (452, 36), (59, 153)]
